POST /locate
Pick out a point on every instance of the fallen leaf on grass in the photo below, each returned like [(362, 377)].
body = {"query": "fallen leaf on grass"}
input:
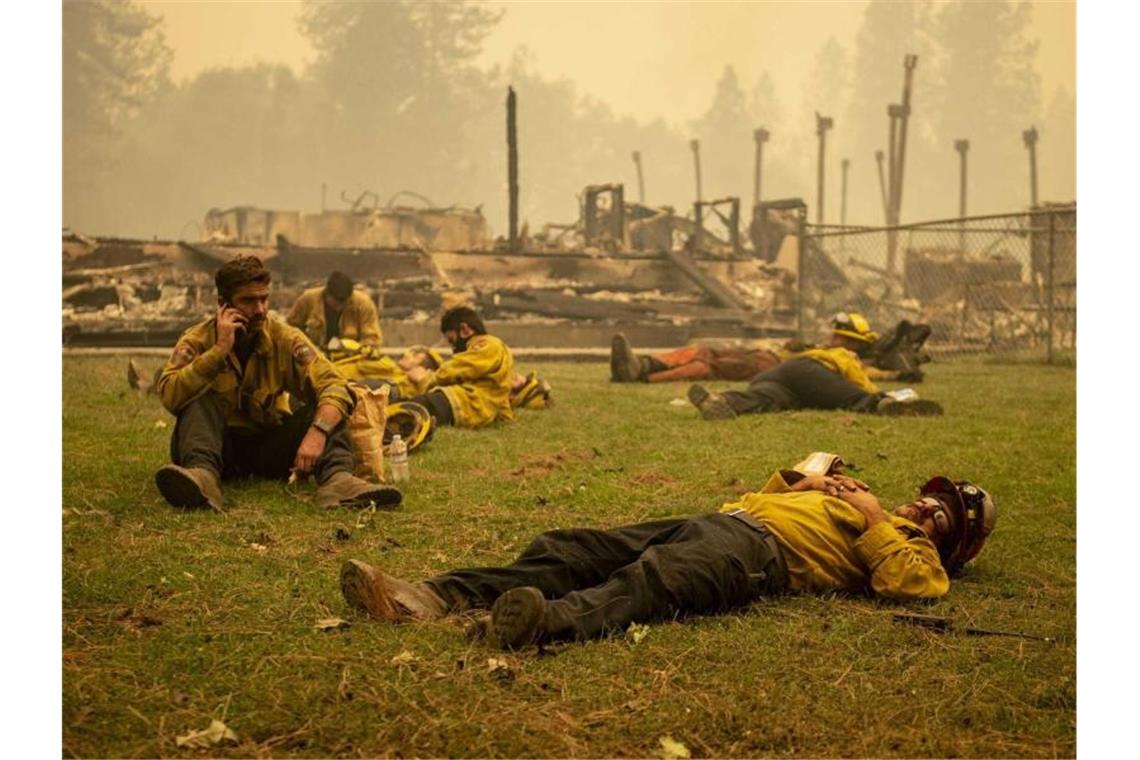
[(405, 659), (332, 624), (216, 733), (259, 548), (500, 669), (637, 632), (679, 402), (161, 425), (672, 749)]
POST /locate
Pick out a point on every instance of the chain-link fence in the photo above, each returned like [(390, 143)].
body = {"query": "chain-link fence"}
[(1003, 284)]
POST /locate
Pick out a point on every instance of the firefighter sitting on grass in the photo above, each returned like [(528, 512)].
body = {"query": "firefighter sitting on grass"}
[(472, 388)]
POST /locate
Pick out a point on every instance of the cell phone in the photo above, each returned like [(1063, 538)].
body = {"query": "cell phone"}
[(240, 327)]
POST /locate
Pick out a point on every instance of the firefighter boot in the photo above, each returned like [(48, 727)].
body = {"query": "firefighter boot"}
[(386, 597), (517, 618), (344, 489), (712, 406), (189, 487), (625, 366)]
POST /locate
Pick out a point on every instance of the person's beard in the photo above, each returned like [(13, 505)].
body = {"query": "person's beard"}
[(459, 346)]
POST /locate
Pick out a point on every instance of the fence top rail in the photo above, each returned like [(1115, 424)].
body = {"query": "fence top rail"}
[(830, 230)]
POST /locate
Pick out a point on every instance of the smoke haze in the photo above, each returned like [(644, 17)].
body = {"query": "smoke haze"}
[(239, 104)]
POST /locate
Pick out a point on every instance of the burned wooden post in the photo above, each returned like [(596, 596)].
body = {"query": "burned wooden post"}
[(512, 171), (900, 114), (1029, 136), (844, 165), (883, 188), (963, 148), (822, 124), (695, 145), (760, 135), (640, 177)]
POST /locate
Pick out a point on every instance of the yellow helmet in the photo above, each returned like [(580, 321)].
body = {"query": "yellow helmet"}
[(412, 421), (852, 324)]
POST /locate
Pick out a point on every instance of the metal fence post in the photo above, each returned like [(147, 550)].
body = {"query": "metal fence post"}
[(1049, 291), (800, 276)]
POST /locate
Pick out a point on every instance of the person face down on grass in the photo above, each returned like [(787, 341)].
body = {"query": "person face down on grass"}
[(473, 387), (254, 397), (818, 378), (799, 533)]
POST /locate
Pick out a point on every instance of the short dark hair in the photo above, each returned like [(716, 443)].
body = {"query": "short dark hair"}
[(239, 271), (339, 286), (453, 317)]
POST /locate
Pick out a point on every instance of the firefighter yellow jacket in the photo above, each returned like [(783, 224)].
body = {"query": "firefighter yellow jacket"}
[(828, 549), (359, 319), (477, 382), (369, 364), (841, 361), (284, 363)]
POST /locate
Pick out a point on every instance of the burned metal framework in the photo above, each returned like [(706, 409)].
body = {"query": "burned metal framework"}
[(1000, 284)]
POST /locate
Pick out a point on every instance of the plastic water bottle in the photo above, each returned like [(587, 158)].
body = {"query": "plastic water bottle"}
[(398, 459)]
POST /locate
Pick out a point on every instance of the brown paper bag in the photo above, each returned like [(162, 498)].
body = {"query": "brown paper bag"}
[(366, 429)]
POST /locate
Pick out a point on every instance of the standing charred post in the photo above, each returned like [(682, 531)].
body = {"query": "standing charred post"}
[(697, 207), (909, 64), (640, 177), (761, 136), (822, 124), (512, 170), (1029, 136), (963, 148), (883, 187), (845, 166)]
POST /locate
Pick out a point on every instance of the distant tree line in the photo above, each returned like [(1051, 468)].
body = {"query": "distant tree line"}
[(394, 101)]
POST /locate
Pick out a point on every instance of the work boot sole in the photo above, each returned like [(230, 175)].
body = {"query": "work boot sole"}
[(624, 367), (920, 407), (386, 498), (516, 618), (179, 489), (364, 591), (711, 405)]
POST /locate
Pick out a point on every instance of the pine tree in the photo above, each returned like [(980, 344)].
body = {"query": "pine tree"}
[(1057, 150), (988, 92)]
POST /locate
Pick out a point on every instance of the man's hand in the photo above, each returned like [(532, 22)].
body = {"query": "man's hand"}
[(832, 485), (867, 504), (230, 323), (312, 445), (417, 375)]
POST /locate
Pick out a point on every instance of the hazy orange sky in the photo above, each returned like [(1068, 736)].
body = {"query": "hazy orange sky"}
[(643, 59)]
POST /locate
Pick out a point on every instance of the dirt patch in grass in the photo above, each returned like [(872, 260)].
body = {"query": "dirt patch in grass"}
[(542, 465), (652, 478)]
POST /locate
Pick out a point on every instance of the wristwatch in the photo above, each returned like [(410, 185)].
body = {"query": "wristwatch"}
[(323, 426)]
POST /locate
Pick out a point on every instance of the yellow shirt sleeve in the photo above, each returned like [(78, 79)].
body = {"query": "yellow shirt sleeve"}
[(480, 359), (368, 322), (190, 370), (901, 567)]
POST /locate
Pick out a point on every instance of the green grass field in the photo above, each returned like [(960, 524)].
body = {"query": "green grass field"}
[(172, 619)]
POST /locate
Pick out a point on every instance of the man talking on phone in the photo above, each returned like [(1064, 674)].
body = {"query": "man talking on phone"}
[(254, 397)]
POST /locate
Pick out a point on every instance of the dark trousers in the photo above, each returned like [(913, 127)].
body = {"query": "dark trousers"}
[(800, 383), (201, 439), (436, 402), (603, 580)]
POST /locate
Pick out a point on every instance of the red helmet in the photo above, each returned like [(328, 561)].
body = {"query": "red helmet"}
[(974, 518)]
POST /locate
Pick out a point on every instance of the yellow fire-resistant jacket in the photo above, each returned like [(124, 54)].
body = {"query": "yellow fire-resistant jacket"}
[(841, 361), (477, 382), (283, 362), (359, 319), (828, 549), (369, 364)]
